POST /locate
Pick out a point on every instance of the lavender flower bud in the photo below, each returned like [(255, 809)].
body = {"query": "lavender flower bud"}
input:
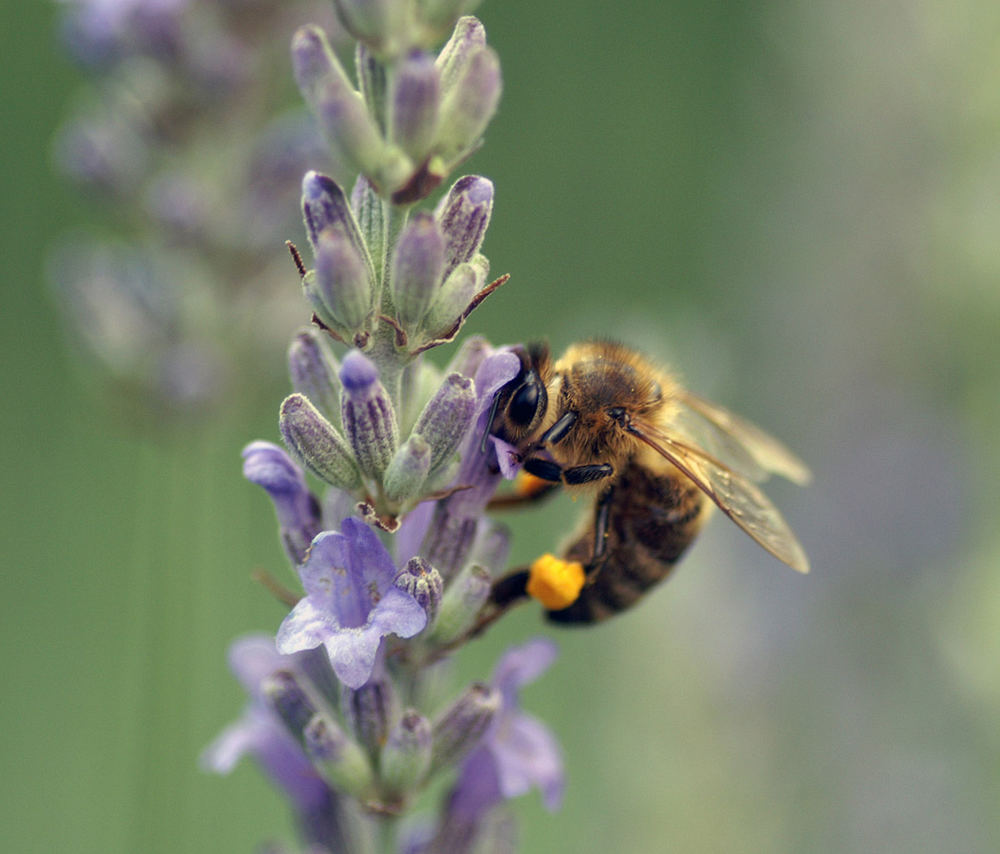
[(316, 443), (460, 605), (406, 756), (368, 711), (290, 701), (296, 507), (324, 205), (343, 117), (338, 757), (367, 415), (463, 216), (424, 583), (446, 417), (467, 38), (408, 469), (466, 110), (465, 281), (342, 289), (461, 725), (371, 221), (470, 89), (313, 370), (414, 98), (417, 268)]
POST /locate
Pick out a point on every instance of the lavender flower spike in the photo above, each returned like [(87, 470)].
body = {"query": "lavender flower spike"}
[(297, 509), (351, 603)]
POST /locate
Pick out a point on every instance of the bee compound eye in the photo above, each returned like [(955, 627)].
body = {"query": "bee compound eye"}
[(524, 404)]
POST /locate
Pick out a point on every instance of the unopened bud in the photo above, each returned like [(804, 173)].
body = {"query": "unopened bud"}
[(313, 370), (290, 701), (470, 90), (343, 116), (446, 417), (408, 469), (455, 296), (424, 583), (468, 37), (414, 98), (342, 291), (316, 443), (461, 726), (406, 756), (367, 415), (417, 269), (324, 205), (460, 605), (338, 757), (368, 711), (464, 215)]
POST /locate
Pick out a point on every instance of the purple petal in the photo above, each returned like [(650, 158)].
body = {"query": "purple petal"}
[(507, 458), (306, 627), (261, 735), (478, 786), (527, 755), (252, 658), (352, 654), (523, 664), (399, 613)]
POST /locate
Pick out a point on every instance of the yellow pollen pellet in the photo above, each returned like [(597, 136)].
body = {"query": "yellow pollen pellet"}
[(555, 583), (527, 484)]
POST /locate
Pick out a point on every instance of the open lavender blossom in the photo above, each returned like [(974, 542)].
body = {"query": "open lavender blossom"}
[(260, 733), (518, 751), (351, 602)]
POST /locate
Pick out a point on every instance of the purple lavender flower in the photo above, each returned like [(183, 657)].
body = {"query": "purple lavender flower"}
[(518, 751), (297, 509), (260, 733), (351, 602)]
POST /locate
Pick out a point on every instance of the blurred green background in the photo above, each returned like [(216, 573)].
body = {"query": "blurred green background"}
[(795, 204)]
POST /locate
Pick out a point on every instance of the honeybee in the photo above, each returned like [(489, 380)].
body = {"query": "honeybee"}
[(606, 420)]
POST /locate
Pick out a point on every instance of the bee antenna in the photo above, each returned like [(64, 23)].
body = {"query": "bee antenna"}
[(489, 422)]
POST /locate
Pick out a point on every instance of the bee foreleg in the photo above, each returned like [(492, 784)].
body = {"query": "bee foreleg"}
[(586, 474), (544, 469)]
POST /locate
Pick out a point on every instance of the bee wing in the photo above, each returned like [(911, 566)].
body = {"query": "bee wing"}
[(740, 499), (753, 452)]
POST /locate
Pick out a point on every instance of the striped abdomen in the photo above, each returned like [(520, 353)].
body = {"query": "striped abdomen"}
[(653, 518)]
